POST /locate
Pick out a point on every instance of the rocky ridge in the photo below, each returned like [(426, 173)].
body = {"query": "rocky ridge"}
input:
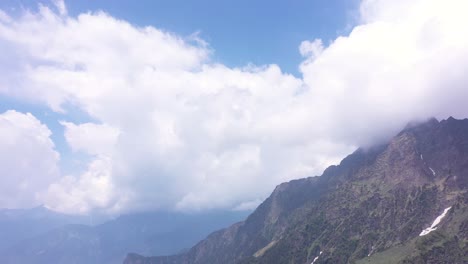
[(371, 208)]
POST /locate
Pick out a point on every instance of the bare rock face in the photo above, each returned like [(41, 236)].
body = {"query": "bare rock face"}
[(371, 208)]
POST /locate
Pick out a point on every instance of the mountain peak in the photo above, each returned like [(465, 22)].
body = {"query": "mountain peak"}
[(374, 203), (424, 124)]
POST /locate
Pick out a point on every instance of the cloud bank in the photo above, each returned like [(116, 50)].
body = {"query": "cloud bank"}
[(171, 129)]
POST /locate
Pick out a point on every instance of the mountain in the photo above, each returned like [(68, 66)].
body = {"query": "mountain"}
[(146, 233), (20, 224), (401, 202)]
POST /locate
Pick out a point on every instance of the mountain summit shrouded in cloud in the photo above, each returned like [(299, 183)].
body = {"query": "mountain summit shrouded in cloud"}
[(167, 126)]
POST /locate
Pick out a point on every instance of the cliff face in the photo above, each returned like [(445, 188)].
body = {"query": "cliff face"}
[(371, 208)]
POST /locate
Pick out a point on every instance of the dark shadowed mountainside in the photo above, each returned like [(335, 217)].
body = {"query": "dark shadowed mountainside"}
[(371, 208)]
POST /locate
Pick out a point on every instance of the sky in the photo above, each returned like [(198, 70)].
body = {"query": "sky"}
[(239, 32), (112, 107)]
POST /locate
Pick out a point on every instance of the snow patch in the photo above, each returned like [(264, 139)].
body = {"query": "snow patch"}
[(422, 157), (435, 223), (316, 258), (370, 252), (433, 172)]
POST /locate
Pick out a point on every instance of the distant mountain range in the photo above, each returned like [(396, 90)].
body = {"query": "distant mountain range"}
[(41, 236), (20, 224), (401, 202)]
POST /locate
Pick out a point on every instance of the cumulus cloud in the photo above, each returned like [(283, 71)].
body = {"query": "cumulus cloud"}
[(61, 7), (94, 139), (93, 190), (404, 62), (173, 129), (311, 50), (28, 161)]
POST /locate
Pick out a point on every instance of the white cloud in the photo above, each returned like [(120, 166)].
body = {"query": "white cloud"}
[(93, 190), (28, 161), (311, 49), (60, 5), (94, 139), (180, 131), (249, 205), (405, 62)]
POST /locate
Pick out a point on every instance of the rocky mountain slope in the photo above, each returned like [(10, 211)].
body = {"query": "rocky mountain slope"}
[(402, 202)]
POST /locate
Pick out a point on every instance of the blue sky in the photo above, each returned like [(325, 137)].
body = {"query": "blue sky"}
[(145, 118), (240, 32)]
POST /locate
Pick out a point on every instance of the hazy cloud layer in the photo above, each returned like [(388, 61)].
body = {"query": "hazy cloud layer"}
[(173, 129)]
